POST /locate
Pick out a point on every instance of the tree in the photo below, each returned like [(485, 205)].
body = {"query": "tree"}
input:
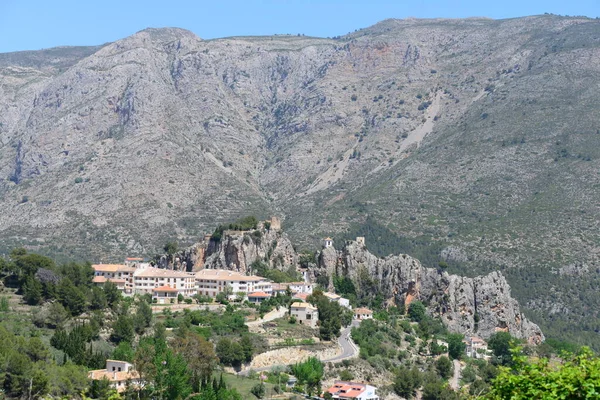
[(112, 293), (247, 347), (171, 380), (309, 373), (407, 382), (71, 297), (436, 389), (122, 329), (32, 290), (444, 367), (456, 346), (57, 315), (330, 315), (229, 352), (258, 390), (28, 264), (500, 343), (97, 299), (416, 311), (577, 377), (199, 355), (142, 317), (171, 248), (123, 352), (346, 375)]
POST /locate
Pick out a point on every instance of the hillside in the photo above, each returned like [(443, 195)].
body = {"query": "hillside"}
[(473, 141)]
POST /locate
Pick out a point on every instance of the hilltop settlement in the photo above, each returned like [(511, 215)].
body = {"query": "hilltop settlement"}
[(242, 315)]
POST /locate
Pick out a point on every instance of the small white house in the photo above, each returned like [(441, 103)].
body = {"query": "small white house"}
[(338, 299), (476, 347), (327, 242), (118, 373), (305, 314), (363, 313)]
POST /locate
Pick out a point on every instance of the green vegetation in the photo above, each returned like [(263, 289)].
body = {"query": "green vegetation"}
[(242, 224), (309, 374), (577, 377), (261, 268), (332, 316)]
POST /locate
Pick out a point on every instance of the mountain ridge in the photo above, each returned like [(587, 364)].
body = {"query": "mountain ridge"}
[(163, 135)]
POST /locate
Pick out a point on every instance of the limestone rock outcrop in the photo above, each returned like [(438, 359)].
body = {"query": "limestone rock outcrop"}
[(479, 306), (238, 250)]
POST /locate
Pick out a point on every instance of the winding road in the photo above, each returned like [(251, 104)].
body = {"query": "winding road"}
[(349, 348)]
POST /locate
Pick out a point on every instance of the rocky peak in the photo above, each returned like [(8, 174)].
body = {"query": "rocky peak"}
[(480, 305)]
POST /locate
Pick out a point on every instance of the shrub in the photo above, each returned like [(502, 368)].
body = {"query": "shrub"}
[(258, 390)]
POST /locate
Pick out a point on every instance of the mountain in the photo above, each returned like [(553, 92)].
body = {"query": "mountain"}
[(468, 142)]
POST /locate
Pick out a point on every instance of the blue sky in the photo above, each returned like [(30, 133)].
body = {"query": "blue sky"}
[(36, 24)]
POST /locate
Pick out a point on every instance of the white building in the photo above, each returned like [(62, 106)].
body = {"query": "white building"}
[(363, 313), (120, 274), (210, 282), (352, 390), (305, 314), (295, 287), (327, 242), (338, 299), (476, 347), (148, 278), (118, 373)]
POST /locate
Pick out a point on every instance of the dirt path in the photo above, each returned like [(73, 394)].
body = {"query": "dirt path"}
[(270, 316), (454, 381)]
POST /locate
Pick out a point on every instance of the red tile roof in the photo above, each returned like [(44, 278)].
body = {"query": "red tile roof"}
[(165, 288), (347, 390), (259, 294)]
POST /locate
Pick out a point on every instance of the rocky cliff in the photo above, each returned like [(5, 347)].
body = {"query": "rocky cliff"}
[(480, 305), (236, 250)]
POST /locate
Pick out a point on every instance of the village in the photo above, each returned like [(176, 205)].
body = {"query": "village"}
[(180, 290)]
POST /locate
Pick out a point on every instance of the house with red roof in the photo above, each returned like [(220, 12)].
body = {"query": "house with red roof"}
[(352, 390), (119, 374), (164, 294), (363, 313), (258, 297)]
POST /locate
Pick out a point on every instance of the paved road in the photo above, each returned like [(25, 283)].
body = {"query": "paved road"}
[(349, 350)]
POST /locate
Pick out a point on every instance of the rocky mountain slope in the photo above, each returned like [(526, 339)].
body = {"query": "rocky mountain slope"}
[(476, 138)]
